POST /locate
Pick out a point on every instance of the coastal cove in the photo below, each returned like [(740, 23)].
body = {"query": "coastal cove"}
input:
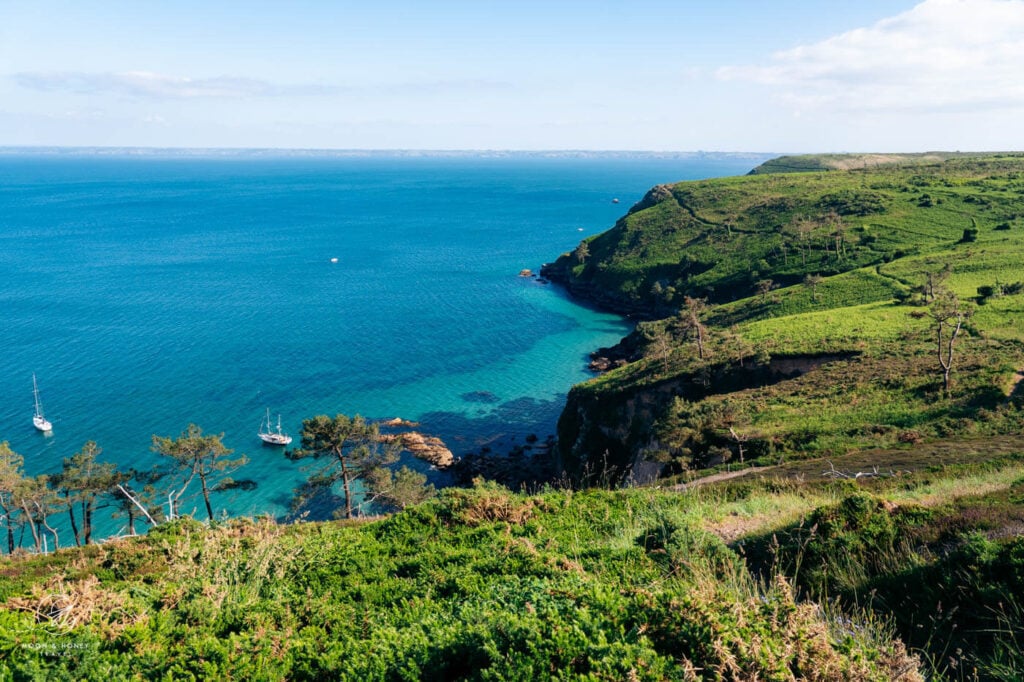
[(150, 292)]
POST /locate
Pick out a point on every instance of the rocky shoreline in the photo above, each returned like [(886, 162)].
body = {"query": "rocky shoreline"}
[(560, 272)]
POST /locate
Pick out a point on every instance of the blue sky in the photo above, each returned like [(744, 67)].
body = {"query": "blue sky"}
[(726, 75)]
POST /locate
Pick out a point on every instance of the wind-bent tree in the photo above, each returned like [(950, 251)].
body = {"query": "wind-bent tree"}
[(812, 282), (11, 474), (352, 449), (82, 482), (948, 315), (836, 233), (803, 227), (196, 456), (934, 282), (37, 502), (582, 252), (739, 439), (659, 345), (690, 320)]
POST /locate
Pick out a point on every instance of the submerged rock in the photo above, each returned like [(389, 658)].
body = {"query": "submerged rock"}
[(398, 422), (480, 397)]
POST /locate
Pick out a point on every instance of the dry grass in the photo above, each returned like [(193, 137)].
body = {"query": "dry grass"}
[(69, 604), (748, 622)]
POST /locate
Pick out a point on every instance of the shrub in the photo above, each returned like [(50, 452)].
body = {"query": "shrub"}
[(486, 502)]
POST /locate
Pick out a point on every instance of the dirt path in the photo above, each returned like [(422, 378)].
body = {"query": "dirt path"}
[(908, 459), (715, 478)]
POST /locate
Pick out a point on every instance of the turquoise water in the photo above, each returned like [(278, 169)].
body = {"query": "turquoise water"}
[(149, 293)]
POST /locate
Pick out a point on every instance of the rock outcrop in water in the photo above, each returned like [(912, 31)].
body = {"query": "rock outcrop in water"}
[(427, 448)]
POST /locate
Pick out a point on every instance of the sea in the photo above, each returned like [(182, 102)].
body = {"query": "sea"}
[(150, 291)]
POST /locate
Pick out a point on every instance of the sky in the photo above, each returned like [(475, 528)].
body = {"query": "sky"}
[(657, 75)]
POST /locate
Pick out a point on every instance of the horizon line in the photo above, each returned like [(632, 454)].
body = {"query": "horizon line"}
[(354, 151)]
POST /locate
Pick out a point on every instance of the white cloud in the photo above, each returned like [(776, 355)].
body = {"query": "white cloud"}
[(941, 55)]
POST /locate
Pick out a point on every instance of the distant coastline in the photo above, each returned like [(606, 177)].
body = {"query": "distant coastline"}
[(258, 153)]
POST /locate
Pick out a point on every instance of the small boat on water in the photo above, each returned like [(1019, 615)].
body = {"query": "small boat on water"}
[(38, 420), (273, 436)]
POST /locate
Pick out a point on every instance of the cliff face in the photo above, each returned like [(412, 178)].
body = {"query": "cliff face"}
[(601, 434), (608, 434), (562, 272)]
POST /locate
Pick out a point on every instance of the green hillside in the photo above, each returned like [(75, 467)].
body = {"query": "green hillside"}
[(816, 295)]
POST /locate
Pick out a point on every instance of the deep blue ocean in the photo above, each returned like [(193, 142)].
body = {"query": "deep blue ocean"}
[(147, 293)]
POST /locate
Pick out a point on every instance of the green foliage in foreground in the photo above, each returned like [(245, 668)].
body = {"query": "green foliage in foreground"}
[(949, 571), (478, 584)]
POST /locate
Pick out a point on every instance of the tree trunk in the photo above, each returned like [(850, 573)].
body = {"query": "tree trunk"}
[(32, 526), (53, 531), (206, 494), (10, 528), (131, 509), (347, 484), (71, 514), (87, 521), (947, 363)]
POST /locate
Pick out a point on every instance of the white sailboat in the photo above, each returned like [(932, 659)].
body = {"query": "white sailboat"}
[(273, 437), (38, 420)]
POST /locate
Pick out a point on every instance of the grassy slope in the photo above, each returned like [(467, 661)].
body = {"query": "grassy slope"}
[(935, 547), (631, 584), (718, 238), (480, 584)]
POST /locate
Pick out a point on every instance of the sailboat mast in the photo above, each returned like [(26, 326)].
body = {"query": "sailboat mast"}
[(35, 394)]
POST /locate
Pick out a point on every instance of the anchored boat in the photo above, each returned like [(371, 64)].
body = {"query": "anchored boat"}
[(38, 420), (273, 436)]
